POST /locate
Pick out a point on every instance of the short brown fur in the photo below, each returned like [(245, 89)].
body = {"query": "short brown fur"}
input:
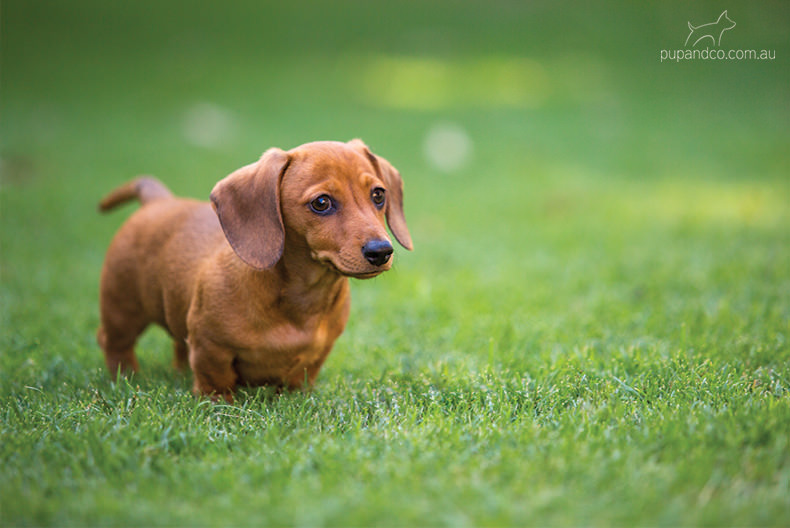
[(253, 287)]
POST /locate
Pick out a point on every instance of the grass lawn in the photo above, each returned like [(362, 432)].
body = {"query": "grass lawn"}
[(593, 329)]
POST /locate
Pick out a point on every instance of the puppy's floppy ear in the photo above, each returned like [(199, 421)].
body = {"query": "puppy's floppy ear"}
[(394, 208), (247, 203)]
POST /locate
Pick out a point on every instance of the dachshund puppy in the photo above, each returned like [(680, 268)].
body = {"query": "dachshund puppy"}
[(252, 287)]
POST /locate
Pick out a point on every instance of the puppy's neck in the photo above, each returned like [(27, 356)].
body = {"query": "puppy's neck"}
[(297, 268), (303, 286)]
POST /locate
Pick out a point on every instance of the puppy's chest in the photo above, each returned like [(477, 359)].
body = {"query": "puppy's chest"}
[(275, 349), (289, 338)]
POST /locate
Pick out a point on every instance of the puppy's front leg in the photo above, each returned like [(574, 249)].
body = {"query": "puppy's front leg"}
[(303, 375), (212, 367)]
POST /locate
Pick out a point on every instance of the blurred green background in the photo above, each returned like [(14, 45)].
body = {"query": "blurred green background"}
[(569, 194), (534, 96), (531, 136)]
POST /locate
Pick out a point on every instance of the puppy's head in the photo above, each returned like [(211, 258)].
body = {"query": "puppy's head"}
[(334, 198)]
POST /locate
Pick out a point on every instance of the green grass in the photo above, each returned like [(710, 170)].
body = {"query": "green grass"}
[(592, 330)]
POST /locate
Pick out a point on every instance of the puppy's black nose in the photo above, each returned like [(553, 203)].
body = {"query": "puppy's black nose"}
[(377, 251)]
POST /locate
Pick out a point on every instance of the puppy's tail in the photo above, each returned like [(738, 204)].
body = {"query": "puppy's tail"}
[(145, 189)]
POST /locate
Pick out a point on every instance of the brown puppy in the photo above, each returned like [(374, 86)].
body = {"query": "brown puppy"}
[(255, 290)]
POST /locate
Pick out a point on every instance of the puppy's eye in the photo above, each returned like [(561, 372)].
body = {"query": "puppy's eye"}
[(322, 205), (378, 195)]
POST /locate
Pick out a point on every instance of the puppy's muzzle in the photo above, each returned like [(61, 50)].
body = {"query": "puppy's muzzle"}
[(377, 252)]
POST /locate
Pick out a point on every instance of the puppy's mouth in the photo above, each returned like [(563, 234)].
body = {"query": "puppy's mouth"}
[(329, 263), (353, 274), (368, 275)]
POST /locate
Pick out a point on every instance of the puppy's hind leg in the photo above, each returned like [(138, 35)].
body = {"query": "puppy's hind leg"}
[(117, 342), (180, 354)]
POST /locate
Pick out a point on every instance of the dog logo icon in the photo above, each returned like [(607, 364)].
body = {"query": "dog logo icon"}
[(711, 30)]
